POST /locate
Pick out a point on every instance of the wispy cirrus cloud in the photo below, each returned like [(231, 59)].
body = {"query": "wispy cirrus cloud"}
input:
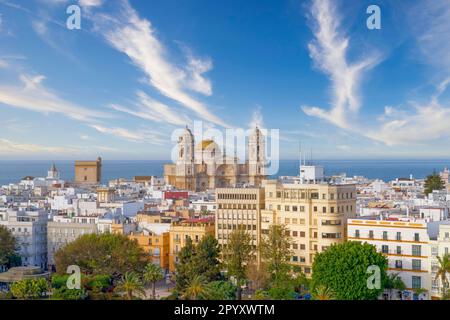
[(423, 121), (33, 95), (136, 38), (329, 53), (133, 136), (153, 110)]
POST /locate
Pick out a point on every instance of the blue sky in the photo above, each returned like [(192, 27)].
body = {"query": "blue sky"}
[(138, 70)]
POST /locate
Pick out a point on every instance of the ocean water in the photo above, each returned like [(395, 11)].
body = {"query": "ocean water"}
[(13, 171)]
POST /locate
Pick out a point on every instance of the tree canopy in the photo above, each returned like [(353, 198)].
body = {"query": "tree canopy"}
[(8, 246), (342, 269), (201, 260), (237, 256), (275, 251), (102, 254), (433, 182)]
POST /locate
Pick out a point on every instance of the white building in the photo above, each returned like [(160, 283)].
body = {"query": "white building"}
[(439, 247), (29, 226), (407, 246)]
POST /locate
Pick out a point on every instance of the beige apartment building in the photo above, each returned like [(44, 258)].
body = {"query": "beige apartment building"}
[(239, 208), (195, 229), (314, 213)]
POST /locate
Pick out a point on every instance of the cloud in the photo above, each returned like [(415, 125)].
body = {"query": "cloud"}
[(150, 109), (428, 122), (136, 37), (133, 136), (196, 69), (429, 21), (329, 53), (8, 147), (34, 96), (90, 3)]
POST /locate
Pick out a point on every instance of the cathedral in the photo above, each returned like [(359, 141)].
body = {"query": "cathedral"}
[(204, 166)]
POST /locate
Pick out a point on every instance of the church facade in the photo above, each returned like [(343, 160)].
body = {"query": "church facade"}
[(204, 166)]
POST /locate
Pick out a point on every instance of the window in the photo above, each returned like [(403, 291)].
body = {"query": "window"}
[(416, 250), (398, 264), (286, 208), (399, 250), (302, 234), (294, 208), (302, 247), (416, 264), (324, 209), (294, 258), (416, 237), (294, 246), (385, 235), (399, 236), (416, 282), (315, 209), (371, 234), (295, 233), (385, 249), (332, 209), (356, 233)]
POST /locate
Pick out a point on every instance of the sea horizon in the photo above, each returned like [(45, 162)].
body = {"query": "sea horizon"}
[(12, 171)]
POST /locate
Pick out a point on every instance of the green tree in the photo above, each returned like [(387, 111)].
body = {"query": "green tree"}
[(322, 292), (197, 260), (100, 254), (30, 289), (443, 269), (220, 290), (184, 270), (153, 274), (206, 259), (130, 284), (8, 246), (343, 269), (237, 255), (275, 250), (433, 182), (394, 282), (61, 292), (196, 289)]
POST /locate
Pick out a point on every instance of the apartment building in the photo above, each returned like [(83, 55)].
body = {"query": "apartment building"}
[(196, 229), (157, 245), (29, 227), (407, 245), (439, 247), (314, 211), (239, 208), (64, 230)]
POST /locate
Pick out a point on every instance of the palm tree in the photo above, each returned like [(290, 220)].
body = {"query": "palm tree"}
[(394, 281), (419, 291), (197, 288), (153, 274), (443, 269), (323, 293), (130, 284)]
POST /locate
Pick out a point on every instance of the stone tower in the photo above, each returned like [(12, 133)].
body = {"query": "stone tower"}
[(185, 167), (256, 156)]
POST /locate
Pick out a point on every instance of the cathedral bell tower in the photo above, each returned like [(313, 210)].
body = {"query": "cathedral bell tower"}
[(185, 168), (256, 157)]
